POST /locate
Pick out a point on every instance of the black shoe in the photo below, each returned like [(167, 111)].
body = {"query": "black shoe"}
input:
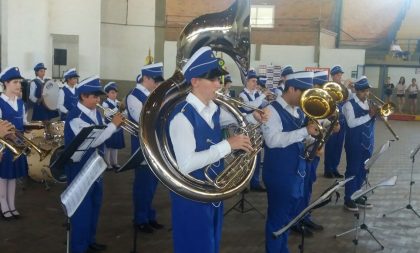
[(145, 228), (109, 169), (361, 202), (329, 175), (97, 247), (306, 231), (337, 174), (116, 167), (258, 189), (7, 216), (351, 206), (154, 224), (312, 225), (15, 214)]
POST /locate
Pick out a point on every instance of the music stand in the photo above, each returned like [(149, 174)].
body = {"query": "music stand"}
[(363, 226), (239, 206), (92, 169), (133, 162), (409, 206), (324, 199)]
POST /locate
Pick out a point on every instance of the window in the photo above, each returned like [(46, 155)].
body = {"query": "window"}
[(262, 16)]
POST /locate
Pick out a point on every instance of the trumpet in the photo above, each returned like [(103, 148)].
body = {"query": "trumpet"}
[(384, 110), (128, 125), (270, 97)]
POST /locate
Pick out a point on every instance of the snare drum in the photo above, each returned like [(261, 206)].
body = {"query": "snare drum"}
[(40, 170), (54, 130)]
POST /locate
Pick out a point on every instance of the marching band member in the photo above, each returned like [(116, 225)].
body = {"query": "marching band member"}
[(84, 114), (251, 96), (284, 164), (286, 70), (196, 135), (117, 139), (228, 84), (145, 182), (40, 111), (12, 110), (67, 98), (334, 145), (359, 143)]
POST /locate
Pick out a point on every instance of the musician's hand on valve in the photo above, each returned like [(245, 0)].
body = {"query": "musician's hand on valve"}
[(312, 129), (263, 116), (241, 142), (373, 111), (6, 128), (117, 119)]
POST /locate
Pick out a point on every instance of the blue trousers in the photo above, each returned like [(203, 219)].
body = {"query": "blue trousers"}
[(196, 226), (356, 169), (85, 220), (144, 187), (333, 150), (309, 180), (255, 180)]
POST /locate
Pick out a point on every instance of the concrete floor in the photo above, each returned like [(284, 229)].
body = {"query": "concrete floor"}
[(41, 227)]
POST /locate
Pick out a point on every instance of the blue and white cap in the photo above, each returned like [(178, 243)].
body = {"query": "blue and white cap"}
[(286, 70), (228, 79), (336, 69), (362, 83), (110, 86), (203, 64), (39, 66), (262, 80), (154, 71), (302, 80), (70, 74), (320, 77), (10, 73), (251, 74), (90, 85)]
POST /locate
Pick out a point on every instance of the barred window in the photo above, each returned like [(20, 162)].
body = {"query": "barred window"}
[(262, 16)]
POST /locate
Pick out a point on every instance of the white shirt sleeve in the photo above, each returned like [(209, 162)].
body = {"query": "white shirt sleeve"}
[(60, 102), (226, 118), (134, 107), (181, 133), (256, 103), (25, 116), (351, 119), (273, 135), (32, 92), (78, 124)]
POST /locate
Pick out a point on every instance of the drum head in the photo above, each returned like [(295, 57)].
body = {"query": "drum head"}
[(59, 174), (50, 94)]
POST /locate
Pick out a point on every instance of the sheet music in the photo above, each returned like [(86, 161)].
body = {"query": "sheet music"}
[(387, 182), (77, 190), (78, 154), (369, 162)]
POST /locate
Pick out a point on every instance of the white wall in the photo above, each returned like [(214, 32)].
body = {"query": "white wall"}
[(25, 37), (347, 58), (396, 72), (126, 37), (372, 73), (298, 57)]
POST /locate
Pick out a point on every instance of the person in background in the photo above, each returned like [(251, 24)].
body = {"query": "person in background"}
[(413, 90), (67, 98), (227, 86), (388, 87), (401, 94)]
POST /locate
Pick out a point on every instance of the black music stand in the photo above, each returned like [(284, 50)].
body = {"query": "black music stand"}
[(74, 152), (133, 162), (323, 200), (239, 206), (409, 206)]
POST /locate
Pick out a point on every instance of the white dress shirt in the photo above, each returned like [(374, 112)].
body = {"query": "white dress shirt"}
[(272, 129), (183, 140), (134, 105), (348, 113), (113, 111), (33, 89), (14, 105), (77, 124), (61, 95), (256, 101)]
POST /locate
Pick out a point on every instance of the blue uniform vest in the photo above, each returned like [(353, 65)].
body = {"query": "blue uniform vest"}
[(116, 141), (10, 169), (247, 110), (197, 227), (70, 101), (135, 143)]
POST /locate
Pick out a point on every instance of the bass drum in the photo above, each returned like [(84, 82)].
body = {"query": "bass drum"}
[(50, 94), (40, 170)]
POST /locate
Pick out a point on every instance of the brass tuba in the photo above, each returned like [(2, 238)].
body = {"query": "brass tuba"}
[(229, 32)]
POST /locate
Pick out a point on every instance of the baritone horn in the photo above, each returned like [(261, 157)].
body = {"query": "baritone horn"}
[(229, 32)]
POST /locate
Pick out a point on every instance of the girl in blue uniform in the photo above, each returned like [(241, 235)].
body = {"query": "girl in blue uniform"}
[(360, 119), (196, 137), (84, 114), (284, 165), (12, 110), (67, 98), (116, 142)]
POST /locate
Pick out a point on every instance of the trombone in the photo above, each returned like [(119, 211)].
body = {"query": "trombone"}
[(16, 150), (128, 125), (385, 110)]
